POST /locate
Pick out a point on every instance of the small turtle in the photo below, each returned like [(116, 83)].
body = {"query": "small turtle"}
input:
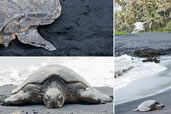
[(149, 105), (53, 86), (20, 19)]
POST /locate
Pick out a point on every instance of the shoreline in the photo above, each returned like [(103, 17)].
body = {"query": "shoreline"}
[(163, 97), (151, 85), (145, 96), (67, 109), (143, 45), (149, 95)]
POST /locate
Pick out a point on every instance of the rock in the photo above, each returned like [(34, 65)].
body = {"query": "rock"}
[(148, 53), (151, 60)]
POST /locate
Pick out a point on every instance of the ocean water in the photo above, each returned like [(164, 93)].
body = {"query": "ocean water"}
[(139, 69), (144, 79), (98, 71)]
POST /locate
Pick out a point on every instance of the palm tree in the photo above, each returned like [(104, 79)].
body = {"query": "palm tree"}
[(143, 10), (163, 6)]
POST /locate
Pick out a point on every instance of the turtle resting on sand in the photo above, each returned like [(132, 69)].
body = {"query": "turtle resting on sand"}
[(53, 86), (20, 19), (149, 105)]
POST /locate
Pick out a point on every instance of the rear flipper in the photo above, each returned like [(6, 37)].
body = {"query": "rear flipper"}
[(5, 39), (93, 96), (135, 110), (32, 37)]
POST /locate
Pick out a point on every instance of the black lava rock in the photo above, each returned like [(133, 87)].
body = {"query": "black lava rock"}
[(151, 60), (143, 44)]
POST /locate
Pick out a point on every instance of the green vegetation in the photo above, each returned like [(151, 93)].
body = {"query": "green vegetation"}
[(156, 14), (121, 32)]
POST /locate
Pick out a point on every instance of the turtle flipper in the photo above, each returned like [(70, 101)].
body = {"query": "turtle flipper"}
[(91, 95), (7, 39), (32, 37), (135, 110), (17, 99)]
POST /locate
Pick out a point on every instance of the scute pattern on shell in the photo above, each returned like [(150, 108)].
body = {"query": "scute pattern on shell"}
[(23, 17)]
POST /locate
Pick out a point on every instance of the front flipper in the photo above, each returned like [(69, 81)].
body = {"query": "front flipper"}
[(31, 94), (20, 98), (93, 96), (32, 37)]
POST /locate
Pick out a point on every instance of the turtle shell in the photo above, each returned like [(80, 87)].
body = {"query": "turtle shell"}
[(46, 72), (29, 12), (8, 12), (146, 105)]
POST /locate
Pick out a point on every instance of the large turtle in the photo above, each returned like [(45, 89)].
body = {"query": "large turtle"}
[(20, 18), (149, 105), (55, 85)]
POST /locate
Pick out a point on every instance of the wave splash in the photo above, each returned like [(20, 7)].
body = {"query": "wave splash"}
[(129, 69)]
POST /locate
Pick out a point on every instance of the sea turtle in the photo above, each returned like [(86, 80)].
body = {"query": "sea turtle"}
[(54, 85), (20, 19), (149, 105)]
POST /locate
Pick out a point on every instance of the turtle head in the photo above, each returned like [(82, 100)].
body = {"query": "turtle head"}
[(159, 106), (53, 98)]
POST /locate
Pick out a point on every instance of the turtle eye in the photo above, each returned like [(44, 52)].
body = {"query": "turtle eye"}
[(59, 96)]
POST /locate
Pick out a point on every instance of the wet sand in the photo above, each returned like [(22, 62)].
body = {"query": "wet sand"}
[(67, 109), (164, 98)]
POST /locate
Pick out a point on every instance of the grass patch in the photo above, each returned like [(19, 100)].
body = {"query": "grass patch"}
[(121, 32)]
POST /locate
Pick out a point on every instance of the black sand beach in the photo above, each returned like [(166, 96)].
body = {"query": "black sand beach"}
[(85, 28), (143, 44), (164, 98), (67, 109)]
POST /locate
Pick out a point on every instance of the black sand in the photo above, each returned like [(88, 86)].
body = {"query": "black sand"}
[(67, 109), (143, 44), (85, 28), (164, 98)]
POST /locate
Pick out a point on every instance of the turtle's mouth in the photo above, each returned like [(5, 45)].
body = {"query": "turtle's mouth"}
[(54, 103), (57, 104)]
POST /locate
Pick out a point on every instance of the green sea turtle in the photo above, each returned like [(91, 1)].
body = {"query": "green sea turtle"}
[(149, 105), (20, 19), (53, 86)]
